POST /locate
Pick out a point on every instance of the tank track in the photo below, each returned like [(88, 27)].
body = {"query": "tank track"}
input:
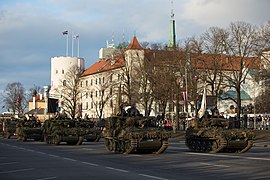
[(216, 145), (132, 146)]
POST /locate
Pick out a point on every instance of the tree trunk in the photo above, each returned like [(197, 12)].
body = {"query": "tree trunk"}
[(237, 121)]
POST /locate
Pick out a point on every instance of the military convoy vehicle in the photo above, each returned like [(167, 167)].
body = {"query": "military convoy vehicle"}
[(72, 132), (134, 134), (57, 131), (9, 128), (91, 132), (28, 129), (215, 134)]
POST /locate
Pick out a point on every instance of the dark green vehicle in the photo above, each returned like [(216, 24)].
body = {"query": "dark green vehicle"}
[(28, 129), (134, 134), (73, 132), (91, 132), (215, 134), (9, 128)]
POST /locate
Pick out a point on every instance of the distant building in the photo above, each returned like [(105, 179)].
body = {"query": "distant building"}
[(36, 108)]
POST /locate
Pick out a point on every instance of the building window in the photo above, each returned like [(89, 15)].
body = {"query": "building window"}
[(86, 105), (99, 80), (56, 71), (160, 109), (111, 77), (103, 80), (171, 107), (91, 82), (91, 94), (100, 93), (86, 95), (81, 84), (92, 105), (63, 72), (96, 93), (86, 83), (64, 82), (96, 80)]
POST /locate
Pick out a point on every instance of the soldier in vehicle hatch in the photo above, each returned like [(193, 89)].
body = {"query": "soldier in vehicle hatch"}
[(133, 111)]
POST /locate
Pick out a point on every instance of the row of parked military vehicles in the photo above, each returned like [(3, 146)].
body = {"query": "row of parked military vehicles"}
[(53, 131), (133, 134)]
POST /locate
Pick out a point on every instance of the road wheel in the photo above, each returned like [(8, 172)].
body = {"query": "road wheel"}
[(56, 140), (109, 144)]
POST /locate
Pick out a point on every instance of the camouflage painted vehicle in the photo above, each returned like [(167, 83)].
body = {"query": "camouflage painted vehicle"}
[(216, 135), (9, 128), (57, 131), (28, 129), (90, 131), (134, 134)]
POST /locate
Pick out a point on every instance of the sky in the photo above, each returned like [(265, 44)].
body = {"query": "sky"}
[(31, 30)]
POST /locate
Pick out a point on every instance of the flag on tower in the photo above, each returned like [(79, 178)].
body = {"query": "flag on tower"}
[(65, 33), (75, 36)]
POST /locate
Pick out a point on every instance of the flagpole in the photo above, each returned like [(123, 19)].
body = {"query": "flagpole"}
[(67, 46), (72, 45), (78, 47)]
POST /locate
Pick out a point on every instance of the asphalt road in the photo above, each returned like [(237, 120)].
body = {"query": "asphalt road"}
[(39, 161)]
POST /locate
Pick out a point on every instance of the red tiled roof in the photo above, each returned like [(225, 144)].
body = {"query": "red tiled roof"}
[(104, 65), (200, 61), (37, 98), (134, 44), (223, 62)]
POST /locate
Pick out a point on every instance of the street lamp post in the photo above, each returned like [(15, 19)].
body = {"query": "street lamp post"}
[(46, 92)]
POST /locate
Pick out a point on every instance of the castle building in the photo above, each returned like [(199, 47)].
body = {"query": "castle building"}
[(103, 84)]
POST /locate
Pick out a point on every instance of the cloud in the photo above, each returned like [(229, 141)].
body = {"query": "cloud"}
[(222, 12)]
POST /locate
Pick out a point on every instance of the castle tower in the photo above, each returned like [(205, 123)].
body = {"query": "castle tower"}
[(172, 36), (60, 66)]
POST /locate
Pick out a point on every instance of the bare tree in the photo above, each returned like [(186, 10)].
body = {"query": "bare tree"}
[(71, 92), (34, 91), (213, 59), (105, 91), (240, 45), (262, 102), (164, 78), (142, 79), (14, 98)]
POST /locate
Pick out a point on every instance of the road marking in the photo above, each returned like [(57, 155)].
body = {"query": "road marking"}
[(39, 152), (92, 164), (229, 156), (133, 155), (69, 159), (153, 177), (47, 178), (216, 165), (87, 149), (121, 170), (30, 150), (8, 163), (53, 155), (18, 170)]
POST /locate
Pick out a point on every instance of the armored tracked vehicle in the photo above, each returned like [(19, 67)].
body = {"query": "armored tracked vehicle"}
[(90, 131), (213, 135), (134, 134), (9, 128), (57, 131), (28, 129)]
